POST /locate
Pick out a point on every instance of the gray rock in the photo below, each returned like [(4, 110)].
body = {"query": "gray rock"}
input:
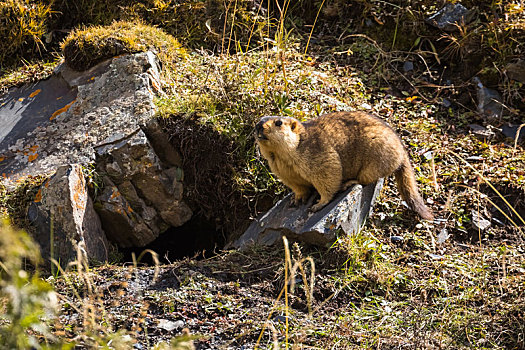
[(443, 236), (479, 223), (511, 131), (99, 115), (121, 223), (63, 216), (450, 17), (516, 71), (490, 103), (408, 66), (142, 198), (161, 144), (60, 120), (280, 318), (170, 325), (481, 132), (396, 239), (348, 211)]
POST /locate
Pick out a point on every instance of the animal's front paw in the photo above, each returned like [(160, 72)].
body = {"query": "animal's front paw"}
[(299, 200), (317, 207)]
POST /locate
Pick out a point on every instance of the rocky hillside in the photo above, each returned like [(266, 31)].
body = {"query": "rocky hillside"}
[(128, 165)]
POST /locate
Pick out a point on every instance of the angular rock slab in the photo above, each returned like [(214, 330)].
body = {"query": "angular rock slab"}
[(348, 211), (142, 196), (63, 216), (59, 121)]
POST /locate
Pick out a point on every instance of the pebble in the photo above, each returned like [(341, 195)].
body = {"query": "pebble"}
[(397, 239)]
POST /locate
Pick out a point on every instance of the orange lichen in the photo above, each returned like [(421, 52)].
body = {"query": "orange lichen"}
[(114, 195), (2, 159), (34, 93), (62, 110), (21, 99), (32, 157), (38, 196)]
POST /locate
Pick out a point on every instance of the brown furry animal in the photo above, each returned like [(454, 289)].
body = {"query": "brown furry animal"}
[(335, 151)]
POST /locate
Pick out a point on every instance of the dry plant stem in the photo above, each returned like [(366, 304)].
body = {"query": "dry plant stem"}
[(313, 27), (224, 26), (490, 185), (516, 138), (287, 265), (233, 24), (268, 318), (434, 177), (492, 203), (253, 26), (155, 258), (309, 290)]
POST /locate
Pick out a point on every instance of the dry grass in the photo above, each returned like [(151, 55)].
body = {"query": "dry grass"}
[(22, 26)]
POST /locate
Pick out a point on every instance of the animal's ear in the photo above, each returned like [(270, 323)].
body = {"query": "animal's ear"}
[(293, 125)]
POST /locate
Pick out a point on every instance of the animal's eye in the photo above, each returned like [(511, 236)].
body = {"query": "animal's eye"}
[(278, 122)]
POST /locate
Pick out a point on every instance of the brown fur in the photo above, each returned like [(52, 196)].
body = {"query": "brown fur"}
[(335, 151)]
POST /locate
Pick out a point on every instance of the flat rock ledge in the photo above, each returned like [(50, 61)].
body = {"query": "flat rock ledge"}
[(347, 212)]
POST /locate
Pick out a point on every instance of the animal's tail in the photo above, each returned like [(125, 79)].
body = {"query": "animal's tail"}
[(406, 184)]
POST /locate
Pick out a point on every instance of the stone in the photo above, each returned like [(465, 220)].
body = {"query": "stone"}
[(490, 103), (397, 239), (100, 115), (63, 218), (481, 132), (450, 17), (121, 223), (347, 211), (479, 223), (511, 131), (516, 71), (144, 197), (446, 103), (443, 236), (170, 325), (59, 121), (161, 144), (408, 66)]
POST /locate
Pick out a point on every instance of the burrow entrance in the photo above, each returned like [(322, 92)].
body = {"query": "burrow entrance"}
[(198, 238)]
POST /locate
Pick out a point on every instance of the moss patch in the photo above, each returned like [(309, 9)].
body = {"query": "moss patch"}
[(84, 48)]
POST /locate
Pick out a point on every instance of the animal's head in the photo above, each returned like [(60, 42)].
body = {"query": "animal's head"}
[(273, 131)]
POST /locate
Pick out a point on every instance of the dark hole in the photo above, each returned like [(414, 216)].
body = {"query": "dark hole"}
[(514, 196), (197, 238)]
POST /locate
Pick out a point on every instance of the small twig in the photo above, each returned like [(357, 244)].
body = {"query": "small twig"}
[(516, 138)]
